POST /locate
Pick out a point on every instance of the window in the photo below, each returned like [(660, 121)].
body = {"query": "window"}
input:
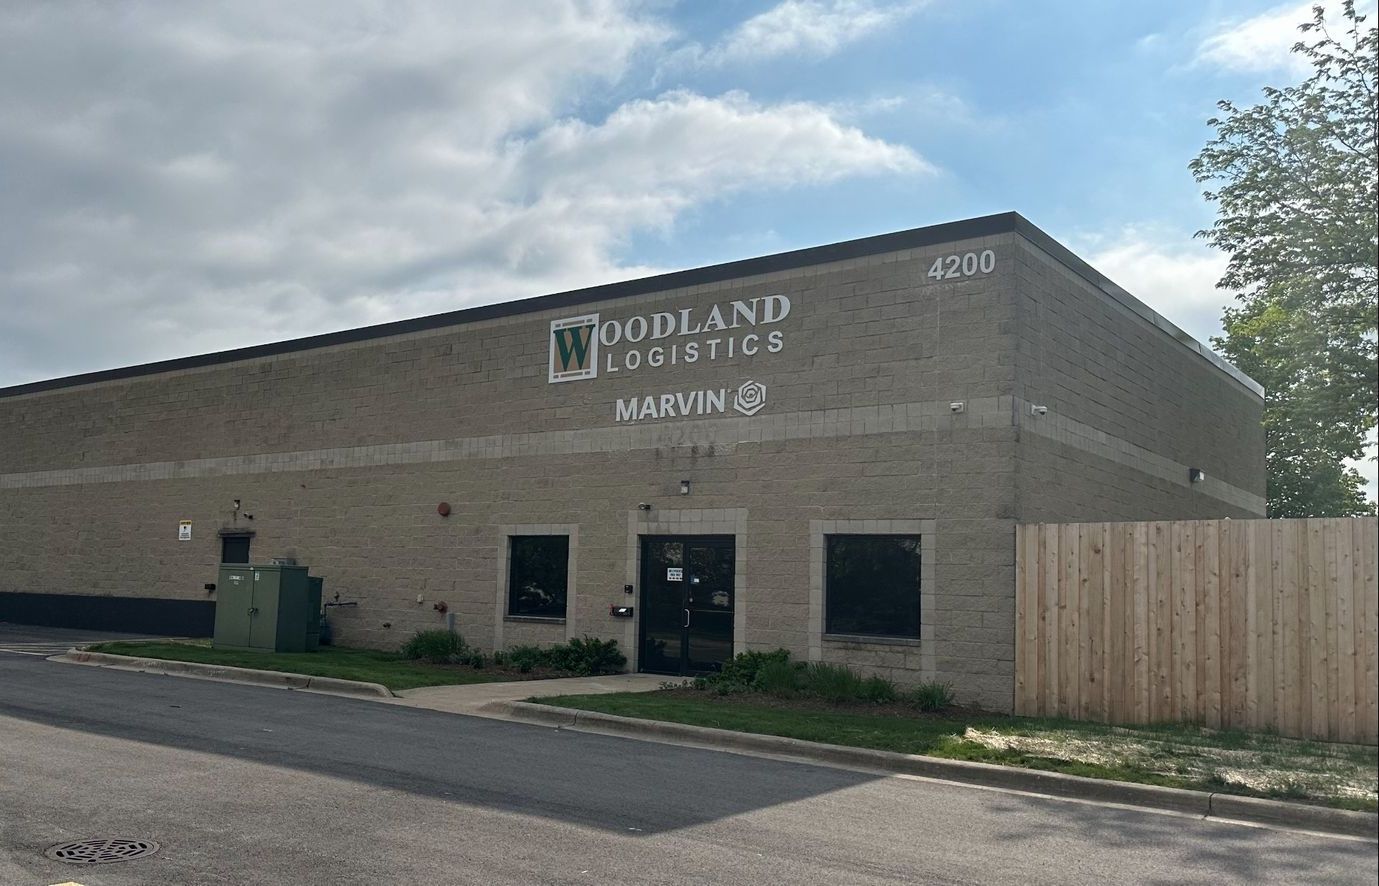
[(872, 585), (234, 548), (538, 571)]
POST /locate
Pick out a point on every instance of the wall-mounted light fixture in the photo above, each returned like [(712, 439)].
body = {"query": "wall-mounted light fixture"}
[(1196, 475), (684, 487)]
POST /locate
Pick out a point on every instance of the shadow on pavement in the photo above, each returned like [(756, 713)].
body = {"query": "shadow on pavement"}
[(599, 781)]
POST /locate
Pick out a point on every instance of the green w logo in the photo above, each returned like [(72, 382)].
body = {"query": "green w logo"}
[(574, 348), (573, 344)]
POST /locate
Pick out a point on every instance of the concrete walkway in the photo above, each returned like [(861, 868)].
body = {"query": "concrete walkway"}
[(490, 699)]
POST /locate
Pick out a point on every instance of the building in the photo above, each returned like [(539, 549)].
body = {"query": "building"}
[(825, 450)]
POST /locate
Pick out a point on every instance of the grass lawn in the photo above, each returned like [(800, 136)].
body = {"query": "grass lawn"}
[(1344, 776), (368, 665)]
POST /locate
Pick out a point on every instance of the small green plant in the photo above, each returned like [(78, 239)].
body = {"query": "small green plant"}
[(777, 677), (931, 695), (582, 657), (436, 646), (524, 658), (879, 690), (832, 682), (739, 673)]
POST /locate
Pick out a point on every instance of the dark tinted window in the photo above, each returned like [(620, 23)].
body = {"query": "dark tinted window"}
[(537, 575), (234, 549), (873, 585)]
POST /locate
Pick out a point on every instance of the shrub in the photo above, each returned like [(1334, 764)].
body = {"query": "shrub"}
[(832, 682), (777, 677), (583, 657), (931, 695), (436, 646), (879, 690), (524, 658), (739, 673), (590, 656)]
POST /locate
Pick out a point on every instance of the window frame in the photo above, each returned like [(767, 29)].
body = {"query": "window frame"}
[(513, 539), (826, 618)]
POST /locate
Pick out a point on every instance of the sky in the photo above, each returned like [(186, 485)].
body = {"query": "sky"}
[(190, 177)]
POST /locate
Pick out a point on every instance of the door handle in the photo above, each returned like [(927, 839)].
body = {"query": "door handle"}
[(686, 624)]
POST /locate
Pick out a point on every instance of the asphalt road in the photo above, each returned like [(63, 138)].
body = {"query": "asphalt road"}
[(250, 785)]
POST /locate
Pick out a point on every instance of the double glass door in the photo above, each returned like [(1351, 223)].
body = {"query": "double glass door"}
[(687, 604)]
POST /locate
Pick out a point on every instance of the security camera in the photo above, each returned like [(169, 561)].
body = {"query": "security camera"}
[(1038, 410), (957, 406), (643, 506), (237, 504)]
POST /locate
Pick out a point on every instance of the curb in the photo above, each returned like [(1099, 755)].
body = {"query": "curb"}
[(1200, 803), (280, 679)]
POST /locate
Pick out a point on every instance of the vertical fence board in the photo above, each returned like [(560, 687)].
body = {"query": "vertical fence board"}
[(1211, 601), (1119, 674), (1366, 579), (1139, 554), (1239, 621), (1048, 543), (1262, 680), (1067, 621), (1316, 629), (1343, 579), (1250, 624)]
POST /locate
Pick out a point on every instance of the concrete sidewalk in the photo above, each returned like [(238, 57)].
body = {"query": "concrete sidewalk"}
[(492, 699)]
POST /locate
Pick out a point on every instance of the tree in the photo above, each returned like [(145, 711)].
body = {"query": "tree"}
[(1296, 180)]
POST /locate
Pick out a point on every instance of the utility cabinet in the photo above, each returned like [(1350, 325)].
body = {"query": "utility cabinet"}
[(264, 608), (314, 587)]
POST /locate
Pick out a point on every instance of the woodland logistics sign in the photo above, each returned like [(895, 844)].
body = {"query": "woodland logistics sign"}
[(686, 336)]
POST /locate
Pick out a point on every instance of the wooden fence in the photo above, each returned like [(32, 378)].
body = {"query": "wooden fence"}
[(1250, 624)]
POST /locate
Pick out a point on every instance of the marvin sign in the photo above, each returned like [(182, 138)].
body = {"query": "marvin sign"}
[(580, 346)]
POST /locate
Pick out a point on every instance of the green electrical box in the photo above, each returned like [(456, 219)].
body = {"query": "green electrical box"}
[(264, 608), (314, 586)]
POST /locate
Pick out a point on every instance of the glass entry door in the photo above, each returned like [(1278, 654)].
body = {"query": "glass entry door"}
[(687, 604)]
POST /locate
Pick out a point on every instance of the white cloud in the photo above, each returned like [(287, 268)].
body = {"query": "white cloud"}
[(182, 180), (800, 28), (1264, 42), (1172, 273)]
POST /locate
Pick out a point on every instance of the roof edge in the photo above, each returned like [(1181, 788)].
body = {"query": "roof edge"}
[(915, 238)]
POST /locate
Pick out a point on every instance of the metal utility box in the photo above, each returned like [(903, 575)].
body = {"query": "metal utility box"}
[(263, 608), (314, 586)]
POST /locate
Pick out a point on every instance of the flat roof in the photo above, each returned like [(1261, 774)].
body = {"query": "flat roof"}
[(916, 238)]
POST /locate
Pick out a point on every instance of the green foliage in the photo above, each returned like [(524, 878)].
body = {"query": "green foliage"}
[(779, 677), (773, 673), (739, 673), (581, 657), (931, 695), (1295, 180), (437, 647), (879, 690), (831, 682)]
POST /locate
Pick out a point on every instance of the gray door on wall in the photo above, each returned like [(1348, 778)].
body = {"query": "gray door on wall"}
[(687, 604)]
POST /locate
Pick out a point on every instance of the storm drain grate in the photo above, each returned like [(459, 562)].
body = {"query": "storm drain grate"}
[(101, 851)]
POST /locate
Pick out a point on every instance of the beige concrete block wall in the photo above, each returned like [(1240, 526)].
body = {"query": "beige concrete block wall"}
[(1129, 411)]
